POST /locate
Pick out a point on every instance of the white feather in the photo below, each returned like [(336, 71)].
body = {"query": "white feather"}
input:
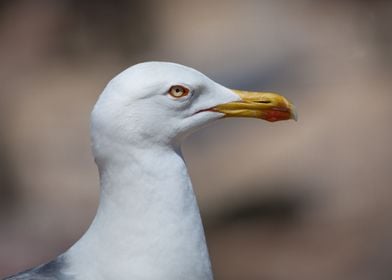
[(148, 224)]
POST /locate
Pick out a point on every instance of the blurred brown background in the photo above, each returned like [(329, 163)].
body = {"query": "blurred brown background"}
[(307, 200)]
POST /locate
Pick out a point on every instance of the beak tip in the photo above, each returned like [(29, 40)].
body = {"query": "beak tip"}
[(294, 114)]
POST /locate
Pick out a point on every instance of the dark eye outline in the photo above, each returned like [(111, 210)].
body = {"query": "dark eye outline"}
[(178, 91)]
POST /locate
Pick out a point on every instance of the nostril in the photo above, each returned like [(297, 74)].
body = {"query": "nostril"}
[(264, 101)]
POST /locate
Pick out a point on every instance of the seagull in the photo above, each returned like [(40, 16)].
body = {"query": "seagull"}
[(148, 224)]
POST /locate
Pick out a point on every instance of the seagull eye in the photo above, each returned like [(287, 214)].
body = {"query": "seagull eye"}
[(178, 91)]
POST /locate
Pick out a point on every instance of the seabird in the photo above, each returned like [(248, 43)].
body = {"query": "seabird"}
[(148, 224)]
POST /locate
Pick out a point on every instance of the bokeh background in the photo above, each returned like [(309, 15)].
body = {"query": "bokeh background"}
[(306, 200)]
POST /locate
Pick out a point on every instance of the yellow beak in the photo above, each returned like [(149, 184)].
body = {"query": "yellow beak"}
[(262, 105)]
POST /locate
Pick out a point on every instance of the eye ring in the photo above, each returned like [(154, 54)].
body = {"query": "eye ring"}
[(178, 91)]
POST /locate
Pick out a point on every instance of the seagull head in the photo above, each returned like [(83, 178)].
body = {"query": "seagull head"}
[(158, 103)]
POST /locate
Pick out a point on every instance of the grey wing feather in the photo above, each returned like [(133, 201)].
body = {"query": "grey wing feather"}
[(48, 271)]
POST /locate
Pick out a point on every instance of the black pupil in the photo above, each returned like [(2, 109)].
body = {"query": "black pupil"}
[(177, 90)]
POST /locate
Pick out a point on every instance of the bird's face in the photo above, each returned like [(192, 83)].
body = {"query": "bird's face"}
[(159, 103)]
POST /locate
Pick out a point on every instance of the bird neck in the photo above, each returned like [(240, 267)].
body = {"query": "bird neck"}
[(148, 224)]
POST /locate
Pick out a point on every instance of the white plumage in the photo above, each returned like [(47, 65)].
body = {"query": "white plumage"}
[(148, 224)]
